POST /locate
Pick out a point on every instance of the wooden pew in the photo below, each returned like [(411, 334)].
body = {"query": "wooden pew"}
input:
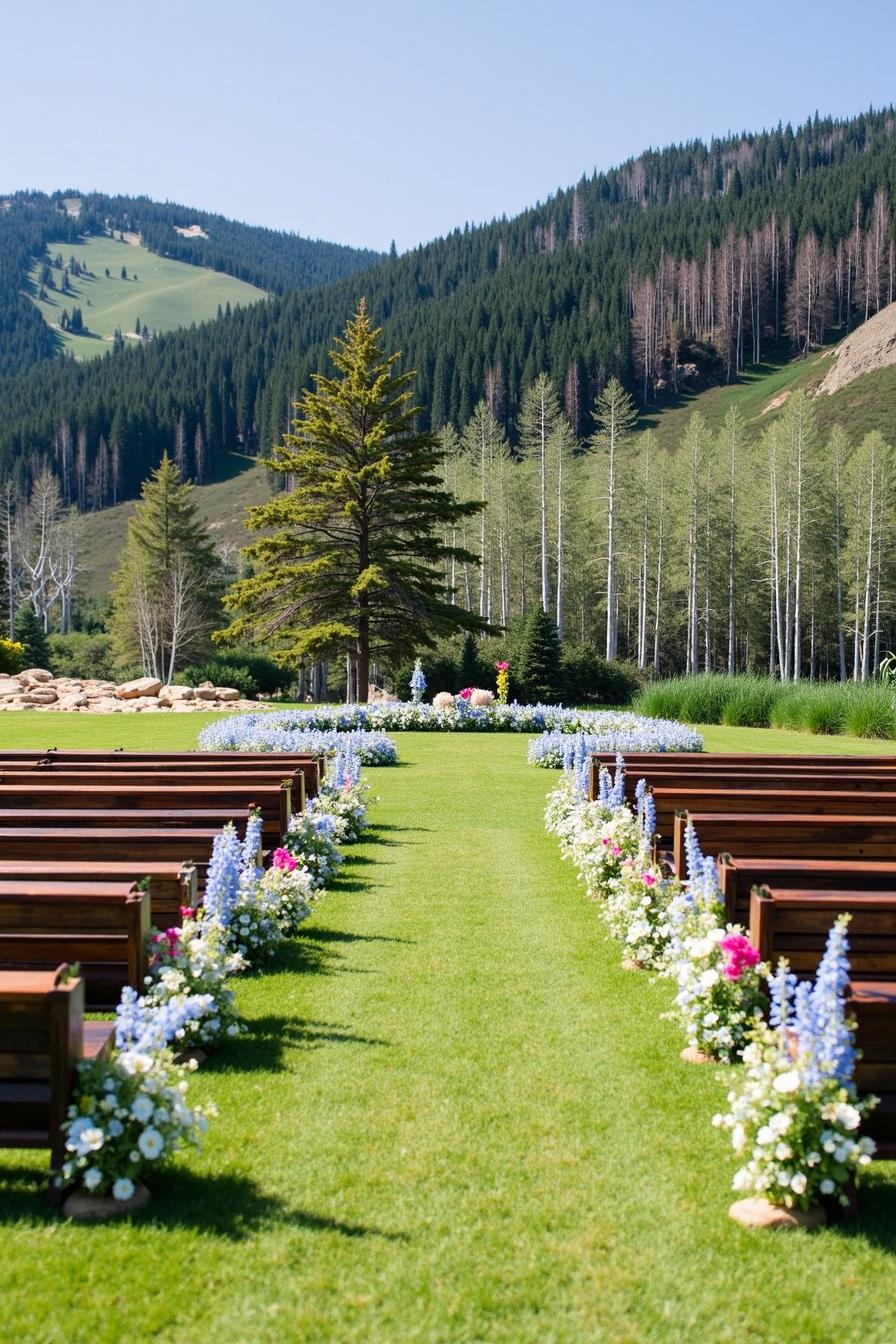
[(85, 818), (738, 875), (794, 922), (640, 764), (273, 801), (248, 782), (743, 798), (43, 1037), (172, 845), (313, 767), (104, 927), (788, 835), (873, 1004), (170, 885)]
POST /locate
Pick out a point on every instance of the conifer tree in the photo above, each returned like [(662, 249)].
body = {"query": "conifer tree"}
[(537, 671), (352, 558), (167, 588), (31, 635)]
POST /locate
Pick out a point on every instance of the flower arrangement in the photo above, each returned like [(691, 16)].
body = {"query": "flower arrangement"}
[(311, 838), (502, 681), (317, 732), (289, 891), (481, 699), (417, 682), (191, 965), (322, 728), (342, 796), (717, 972), (794, 1116), (128, 1112)]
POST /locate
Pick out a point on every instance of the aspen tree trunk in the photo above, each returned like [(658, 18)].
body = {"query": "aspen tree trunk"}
[(798, 555), (543, 468), (869, 563), (876, 660), (560, 536), (838, 546), (611, 546), (659, 571), (732, 549)]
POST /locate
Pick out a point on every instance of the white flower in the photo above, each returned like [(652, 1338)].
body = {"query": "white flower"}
[(708, 979), (787, 1082), (765, 1135), (92, 1178), (142, 1108), (798, 1183), (150, 1143), (783, 1151), (123, 1188), (738, 1138), (847, 1116), (90, 1140)]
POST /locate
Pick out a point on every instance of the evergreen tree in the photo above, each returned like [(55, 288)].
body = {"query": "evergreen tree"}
[(469, 669), (167, 588), (31, 634), (353, 557), (537, 673)]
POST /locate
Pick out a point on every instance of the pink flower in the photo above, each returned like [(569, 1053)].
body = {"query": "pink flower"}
[(604, 840), (740, 954), (283, 859), (466, 693), (648, 879), (502, 666), (187, 912), (616, 851)]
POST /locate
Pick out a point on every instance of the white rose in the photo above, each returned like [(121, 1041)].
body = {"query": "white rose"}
[(787, 1082), (798, 1184)]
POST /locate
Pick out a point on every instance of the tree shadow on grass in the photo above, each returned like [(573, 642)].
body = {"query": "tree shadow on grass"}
[(229, 1206), (264, 1046)]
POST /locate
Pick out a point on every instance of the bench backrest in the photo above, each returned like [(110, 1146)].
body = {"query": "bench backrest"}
[(743, 798), (274, 801), (788, 835), (794, 923), (103, 928), (738, 875), (170, 885)]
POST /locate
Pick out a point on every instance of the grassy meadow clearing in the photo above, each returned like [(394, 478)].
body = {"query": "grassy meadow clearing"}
[(166, 293), (454, 1118)]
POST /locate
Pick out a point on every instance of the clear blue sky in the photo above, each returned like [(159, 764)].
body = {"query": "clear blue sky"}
[(361, 122)]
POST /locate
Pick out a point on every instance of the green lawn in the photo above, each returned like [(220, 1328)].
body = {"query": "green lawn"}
[(456, 1119), (165, 293)]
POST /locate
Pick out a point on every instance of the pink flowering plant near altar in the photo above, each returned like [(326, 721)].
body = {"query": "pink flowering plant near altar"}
[(718, 975), (794, 1115)]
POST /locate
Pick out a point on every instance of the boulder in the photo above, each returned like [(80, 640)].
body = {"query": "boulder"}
[(169, 695), (204, 692), (143, 686), (226, 693), (9, 687), (38, 674), (82, 1207), (74, 700), (39, 696)]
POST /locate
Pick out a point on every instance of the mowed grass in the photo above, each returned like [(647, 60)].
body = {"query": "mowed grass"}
[(165, 294), (456, 1119)]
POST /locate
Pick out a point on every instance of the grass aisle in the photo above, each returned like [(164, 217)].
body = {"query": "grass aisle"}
[(455, 1120)]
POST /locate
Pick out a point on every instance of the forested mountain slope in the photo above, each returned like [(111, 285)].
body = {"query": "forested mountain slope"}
[(30, 222), (684, 266)]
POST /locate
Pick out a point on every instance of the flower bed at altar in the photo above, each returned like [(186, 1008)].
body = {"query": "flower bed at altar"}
[(324, 726)]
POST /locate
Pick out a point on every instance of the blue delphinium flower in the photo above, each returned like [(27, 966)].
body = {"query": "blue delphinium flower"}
[(251, 845), (222, 881)]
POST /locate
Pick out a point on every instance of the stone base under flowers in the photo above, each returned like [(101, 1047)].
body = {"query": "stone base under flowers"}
[(631, 964), (692, 1054), (83, 1207), (757, 1212)]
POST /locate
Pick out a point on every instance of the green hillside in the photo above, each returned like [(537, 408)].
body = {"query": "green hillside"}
[(238, 483), (159, 292)]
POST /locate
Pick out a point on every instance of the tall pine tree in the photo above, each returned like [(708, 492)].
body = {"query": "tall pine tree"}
[(353, 557)]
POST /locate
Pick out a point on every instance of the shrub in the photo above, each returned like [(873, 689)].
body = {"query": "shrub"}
[(871, 713), (11, 652), (83, 655), (588, 679), (536, 673)]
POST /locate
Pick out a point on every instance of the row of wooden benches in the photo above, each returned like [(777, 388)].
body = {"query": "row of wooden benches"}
[(94, 848), (95, 890), (800, 840)]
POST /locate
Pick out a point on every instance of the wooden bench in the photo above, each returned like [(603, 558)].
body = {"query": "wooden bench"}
[(794, 922), (744, 799), (104, 927), (166, 819), (646, 765), (788, 835), (43, 1038), (273, 801), (170, 885), (229, 762), (873, 1004), (739, 875), (247, 782), (173, 845)]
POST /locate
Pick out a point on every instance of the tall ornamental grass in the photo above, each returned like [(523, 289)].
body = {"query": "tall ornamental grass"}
[(861, 710)]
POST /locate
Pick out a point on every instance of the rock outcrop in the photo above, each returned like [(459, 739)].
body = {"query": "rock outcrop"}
[(871, 346), (39, 689)]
